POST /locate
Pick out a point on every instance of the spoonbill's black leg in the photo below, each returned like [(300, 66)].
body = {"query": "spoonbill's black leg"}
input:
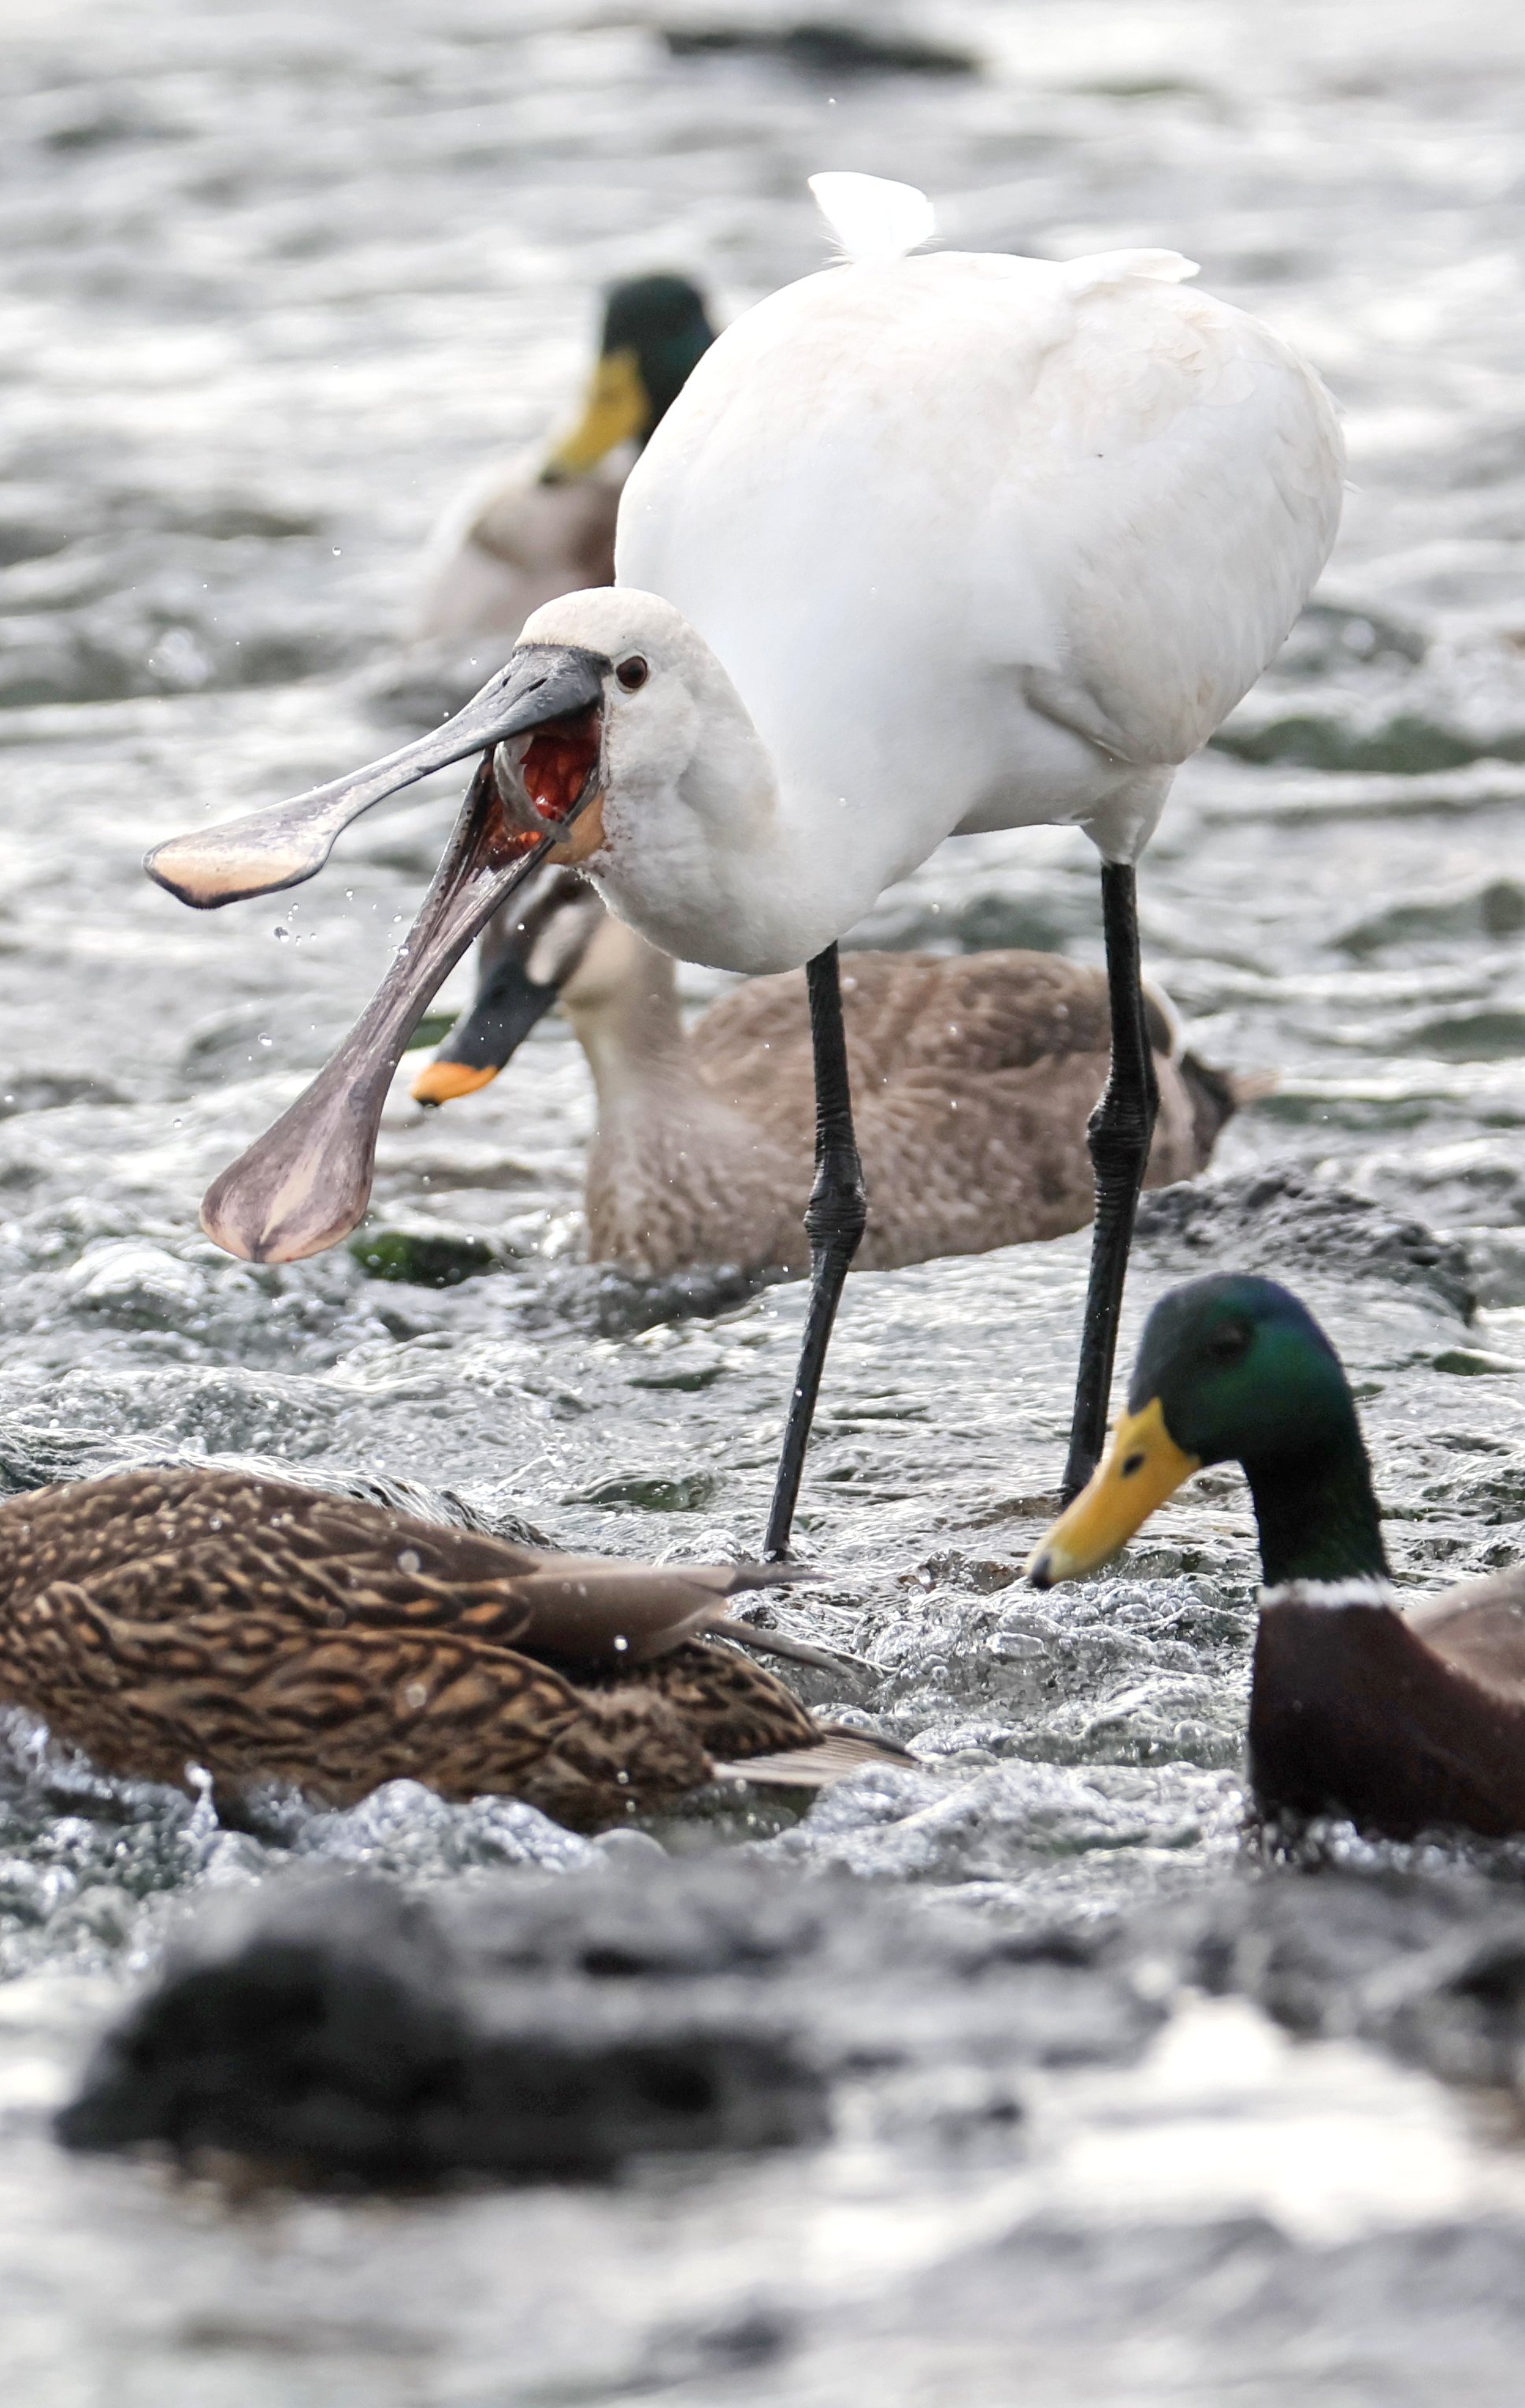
[(1120, 1133), (834, 1221)]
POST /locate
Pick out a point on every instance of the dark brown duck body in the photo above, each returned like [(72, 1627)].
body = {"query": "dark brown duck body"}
[(1403, 1722), (265, 1631)]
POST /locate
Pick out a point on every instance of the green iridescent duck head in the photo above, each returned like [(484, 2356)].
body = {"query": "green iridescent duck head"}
[(1232, 1368), (656, 328)]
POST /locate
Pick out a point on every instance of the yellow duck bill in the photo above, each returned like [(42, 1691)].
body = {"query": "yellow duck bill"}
[(288, 843), (1142, 1467), (617, 411)]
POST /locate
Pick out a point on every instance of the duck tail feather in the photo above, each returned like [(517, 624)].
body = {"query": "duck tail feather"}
[(729, 1578), (1216, 1095), (1167, 1030), (780, 1642), (839, 1752)]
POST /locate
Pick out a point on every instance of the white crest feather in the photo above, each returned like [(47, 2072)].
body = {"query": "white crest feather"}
[(873, 218)]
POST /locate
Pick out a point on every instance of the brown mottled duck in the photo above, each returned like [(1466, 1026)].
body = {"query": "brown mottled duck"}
[(262, 1631), (1400, 1714), (975, 1078)]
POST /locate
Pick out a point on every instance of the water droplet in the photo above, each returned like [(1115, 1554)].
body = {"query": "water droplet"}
[(280, 935), (620, 1645), (408, 1561), (268, 1040)]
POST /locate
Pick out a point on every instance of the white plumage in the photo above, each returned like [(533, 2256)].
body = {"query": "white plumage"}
[(978, 541), (873, 218)]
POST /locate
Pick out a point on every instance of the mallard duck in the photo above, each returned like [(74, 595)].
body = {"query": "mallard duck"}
[(265, 1631), (1401, 1716), (544, 524), (926, 545), (974, 1076)]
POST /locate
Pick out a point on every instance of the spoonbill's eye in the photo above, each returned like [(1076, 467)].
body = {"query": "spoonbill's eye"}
[(633, 673)]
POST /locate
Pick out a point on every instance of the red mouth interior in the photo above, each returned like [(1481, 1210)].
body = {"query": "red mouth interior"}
[(558, 762)]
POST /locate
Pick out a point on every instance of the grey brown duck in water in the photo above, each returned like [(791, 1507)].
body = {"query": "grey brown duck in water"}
[(543, 526), (265, 1631), (1400, 1715), (973, 1079)]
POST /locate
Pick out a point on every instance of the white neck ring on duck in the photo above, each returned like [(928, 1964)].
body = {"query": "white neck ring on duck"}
[(1364, 1588)]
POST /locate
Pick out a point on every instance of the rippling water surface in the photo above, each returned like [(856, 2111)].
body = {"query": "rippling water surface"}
[(271, 283)]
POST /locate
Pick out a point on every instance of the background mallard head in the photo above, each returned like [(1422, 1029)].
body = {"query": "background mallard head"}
[(1233, 1369), (656, 328)]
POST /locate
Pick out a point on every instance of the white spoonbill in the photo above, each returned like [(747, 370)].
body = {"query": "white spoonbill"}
[(926, 545)]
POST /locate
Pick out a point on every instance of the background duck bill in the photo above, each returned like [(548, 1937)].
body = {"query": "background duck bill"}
[(306, 1182), (617, 411), (510, 1005), (288, 843), (508, 1002)]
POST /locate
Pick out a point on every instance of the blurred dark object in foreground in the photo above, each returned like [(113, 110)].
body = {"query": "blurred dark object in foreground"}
[(338, 2030), (328, 2031), (824, 48)]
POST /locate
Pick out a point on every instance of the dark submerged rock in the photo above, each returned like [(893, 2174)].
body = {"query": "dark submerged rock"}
[(1265, 1220), (423, 1257), (333, 2030), (340, 2030), (825, 47), (616, 1303), (321, 2029), (1433, 1968), (343, 2030)]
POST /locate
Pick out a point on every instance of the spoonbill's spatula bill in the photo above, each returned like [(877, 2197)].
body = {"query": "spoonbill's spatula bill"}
[(306, 1183), (269, 850), (926, 545)]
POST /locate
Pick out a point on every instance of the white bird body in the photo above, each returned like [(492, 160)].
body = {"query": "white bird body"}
[(974, 543)]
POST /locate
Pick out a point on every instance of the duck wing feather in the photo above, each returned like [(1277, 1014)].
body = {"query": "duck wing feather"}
[(836, 1752), (588, 1611), (1478, 1627)]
